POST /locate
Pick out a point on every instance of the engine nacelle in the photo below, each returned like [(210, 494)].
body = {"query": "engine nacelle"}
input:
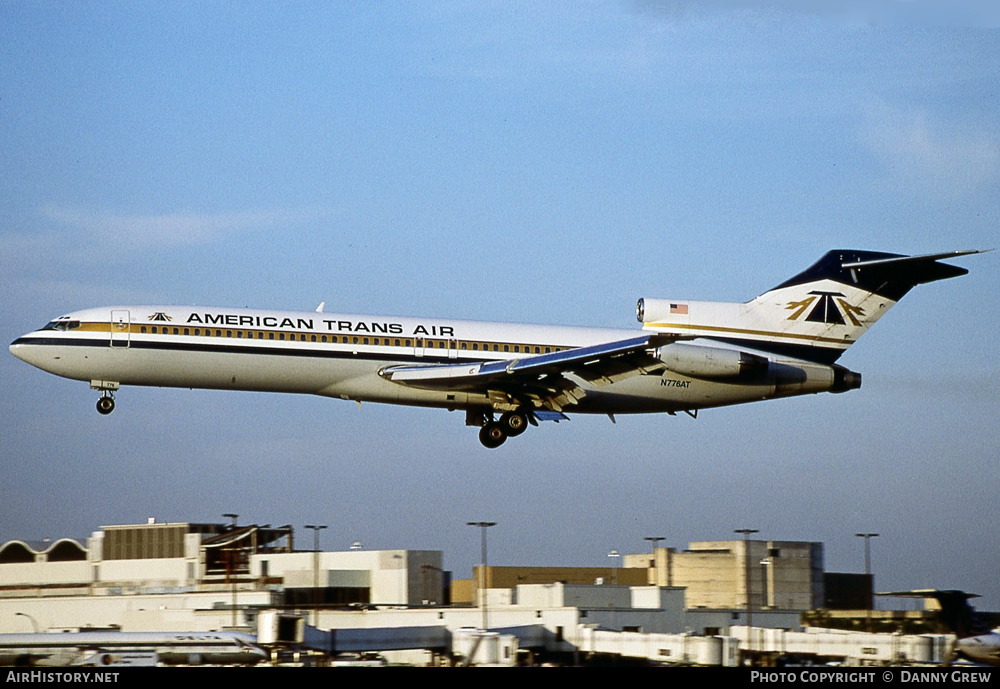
[(710, 362), (650, 310)]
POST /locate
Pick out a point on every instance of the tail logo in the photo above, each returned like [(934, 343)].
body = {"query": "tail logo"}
[(830, 307)]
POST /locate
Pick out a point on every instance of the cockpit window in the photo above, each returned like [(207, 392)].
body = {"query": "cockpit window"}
[(62, 324)]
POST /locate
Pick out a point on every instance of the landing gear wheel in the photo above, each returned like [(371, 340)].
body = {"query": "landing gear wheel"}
[(492, 435), (106, 405), (514, 423)]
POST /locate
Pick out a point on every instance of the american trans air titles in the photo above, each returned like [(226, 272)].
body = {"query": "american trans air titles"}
[(325, 324), (687, 356)]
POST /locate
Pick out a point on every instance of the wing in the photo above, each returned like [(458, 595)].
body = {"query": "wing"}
[(545, 381)]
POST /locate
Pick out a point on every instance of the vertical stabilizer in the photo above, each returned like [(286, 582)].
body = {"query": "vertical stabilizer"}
[(815, 315)]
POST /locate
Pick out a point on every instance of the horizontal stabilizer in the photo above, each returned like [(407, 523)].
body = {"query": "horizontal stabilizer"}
[(914, 259), (884, 274)]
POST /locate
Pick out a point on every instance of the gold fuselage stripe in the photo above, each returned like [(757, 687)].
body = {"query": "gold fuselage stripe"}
[(306, 336), (745, 331)]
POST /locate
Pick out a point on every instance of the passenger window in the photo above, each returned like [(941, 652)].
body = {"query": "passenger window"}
[(143, 330)]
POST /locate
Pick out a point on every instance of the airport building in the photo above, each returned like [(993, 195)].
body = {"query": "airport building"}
[(666, 606), (198, 576), (779, 575), (770, 575)]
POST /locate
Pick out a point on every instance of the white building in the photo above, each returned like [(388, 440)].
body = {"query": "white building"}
[(169, 576)]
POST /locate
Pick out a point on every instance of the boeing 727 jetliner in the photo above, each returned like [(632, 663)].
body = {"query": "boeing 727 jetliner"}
[(690, 355)]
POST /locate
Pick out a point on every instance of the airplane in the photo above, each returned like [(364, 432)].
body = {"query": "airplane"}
[(689, 355), (103, 648), (974, 641)]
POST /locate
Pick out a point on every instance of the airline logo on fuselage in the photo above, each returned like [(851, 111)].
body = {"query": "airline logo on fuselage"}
[(160, 316), (830, 307), (325, 324)]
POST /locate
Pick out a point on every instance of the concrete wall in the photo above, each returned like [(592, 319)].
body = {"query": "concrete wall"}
[(394, 576), (205, 611)]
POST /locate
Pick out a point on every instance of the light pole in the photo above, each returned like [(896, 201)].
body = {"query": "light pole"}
[(482, 572), (424, 569), (746, 559), (868, 571), (765, 600), (316, 528), (615, 555), (654, 540), (230, 566)]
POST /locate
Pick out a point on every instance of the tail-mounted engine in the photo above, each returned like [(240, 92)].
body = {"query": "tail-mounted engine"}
[(710, 362)]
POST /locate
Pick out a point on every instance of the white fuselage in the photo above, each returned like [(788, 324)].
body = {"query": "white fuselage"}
[(103, 648), (984, 648), (341, 356)]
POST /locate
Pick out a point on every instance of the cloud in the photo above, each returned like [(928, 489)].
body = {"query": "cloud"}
[(152, 232), (946, 159)]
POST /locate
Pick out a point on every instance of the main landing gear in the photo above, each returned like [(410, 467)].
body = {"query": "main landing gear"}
[(511, 424)]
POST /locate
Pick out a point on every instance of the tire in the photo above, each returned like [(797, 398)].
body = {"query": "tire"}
[(514, 423), (105, 405), (492, 435)]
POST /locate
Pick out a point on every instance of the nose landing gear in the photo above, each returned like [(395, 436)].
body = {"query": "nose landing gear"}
[(106, 404)]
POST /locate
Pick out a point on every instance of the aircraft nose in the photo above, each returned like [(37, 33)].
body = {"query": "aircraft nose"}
[(24, 351), (17, 349)]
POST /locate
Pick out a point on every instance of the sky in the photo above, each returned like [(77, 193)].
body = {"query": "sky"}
[(509, 161)]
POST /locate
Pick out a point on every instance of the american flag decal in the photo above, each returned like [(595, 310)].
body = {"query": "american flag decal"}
[(679, 308)]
